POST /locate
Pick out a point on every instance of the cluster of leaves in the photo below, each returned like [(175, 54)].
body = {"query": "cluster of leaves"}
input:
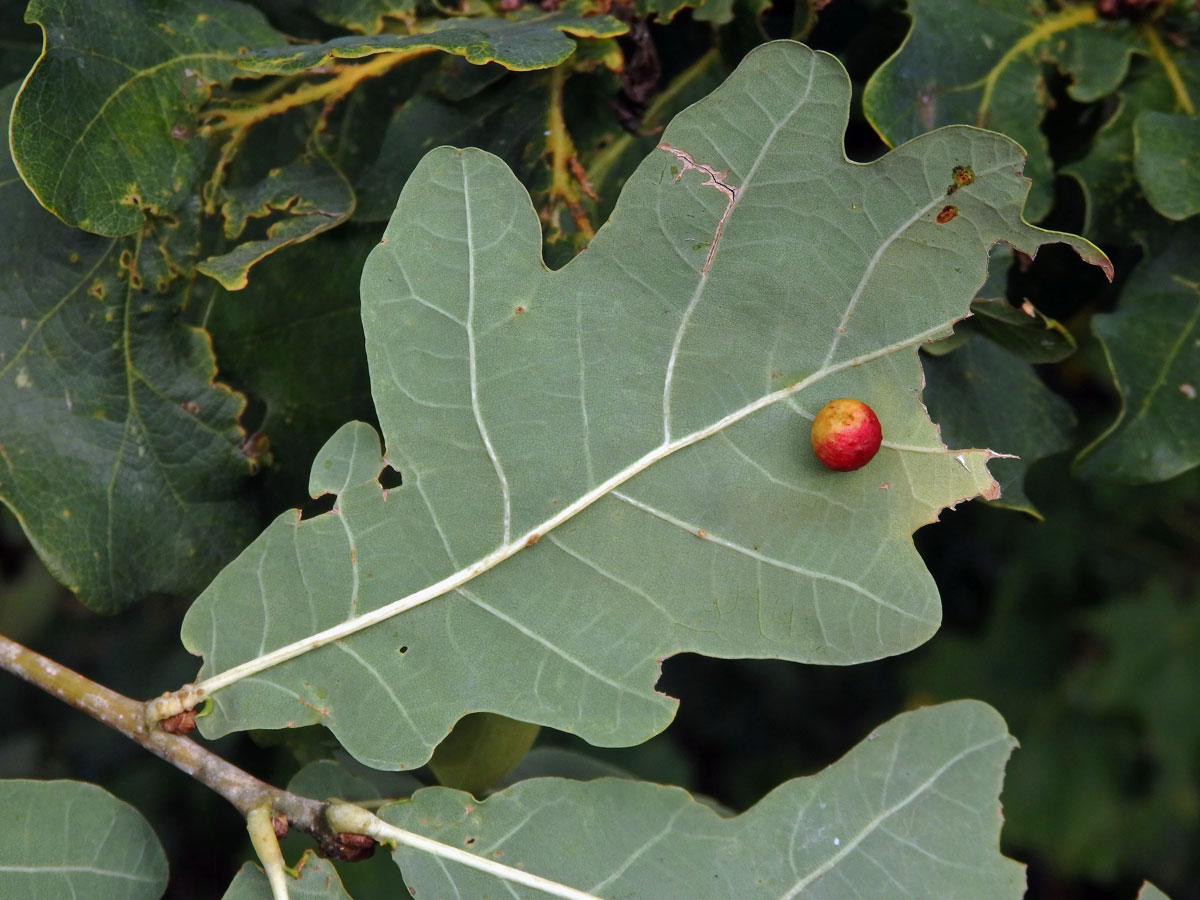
[(192, 193)]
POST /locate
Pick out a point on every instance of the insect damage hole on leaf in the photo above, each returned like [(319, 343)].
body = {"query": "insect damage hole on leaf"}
[(390, 478)]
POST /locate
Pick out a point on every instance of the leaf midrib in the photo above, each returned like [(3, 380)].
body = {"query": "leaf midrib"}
[(512, 547)]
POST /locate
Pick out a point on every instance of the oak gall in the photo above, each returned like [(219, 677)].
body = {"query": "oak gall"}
[(846, 435)]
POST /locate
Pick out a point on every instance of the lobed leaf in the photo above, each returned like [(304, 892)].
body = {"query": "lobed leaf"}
[(912, 810), (1152, 343), (530, 40), (118, 452), (72, 839), (105, 127), (609, 464), (311, 194), (982, 65)]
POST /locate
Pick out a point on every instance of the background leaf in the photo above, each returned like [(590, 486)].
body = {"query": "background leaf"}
[(318, 881), (533, 40), (119, 450), (1153, 347), (1165, 162), (310, 195), (481, 750), (506, 392), (982, 396), (105, 127), (983, 65), (71, 839), (912, 809)]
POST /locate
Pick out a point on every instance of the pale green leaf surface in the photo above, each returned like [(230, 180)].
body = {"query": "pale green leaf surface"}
[(307, 196), (105, 127), (1150, 892), (525, 40), (71, 839), (609, 464), (911, 811), (983, 396), (1167, 162), (118, 453), (318, 881), (981, 64), (1153, 347)]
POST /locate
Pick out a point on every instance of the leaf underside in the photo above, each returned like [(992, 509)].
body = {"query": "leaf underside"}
[(911, 811), (608, 464), (71, 839)]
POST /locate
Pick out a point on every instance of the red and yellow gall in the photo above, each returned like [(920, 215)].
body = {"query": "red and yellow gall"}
[(846, 435)]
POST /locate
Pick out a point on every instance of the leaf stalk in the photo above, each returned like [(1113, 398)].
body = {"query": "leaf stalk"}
[(128, 716), (350, 818)]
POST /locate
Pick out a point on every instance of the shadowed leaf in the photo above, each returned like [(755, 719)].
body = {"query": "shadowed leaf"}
[(105, 127), (118, 452), (1153, 347)]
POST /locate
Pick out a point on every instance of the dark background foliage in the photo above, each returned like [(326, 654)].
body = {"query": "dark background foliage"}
[(1082, 629)]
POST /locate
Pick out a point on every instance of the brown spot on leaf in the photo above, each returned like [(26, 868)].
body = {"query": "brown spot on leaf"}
[(947, 214), (963, 175)]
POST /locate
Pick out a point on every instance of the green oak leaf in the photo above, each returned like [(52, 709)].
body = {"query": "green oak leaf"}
[(317, 879), (105, 127), (118, 452), (361, 15), (350, 780), (271, 338), (482, 749), (529, 39), (983, 396), (609, 464), (72, 839), (1109, 171), (1026, 333), (1167, 162), (1152, 343), (307, 196), (982, 65), (913, 810), (466, 106)]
